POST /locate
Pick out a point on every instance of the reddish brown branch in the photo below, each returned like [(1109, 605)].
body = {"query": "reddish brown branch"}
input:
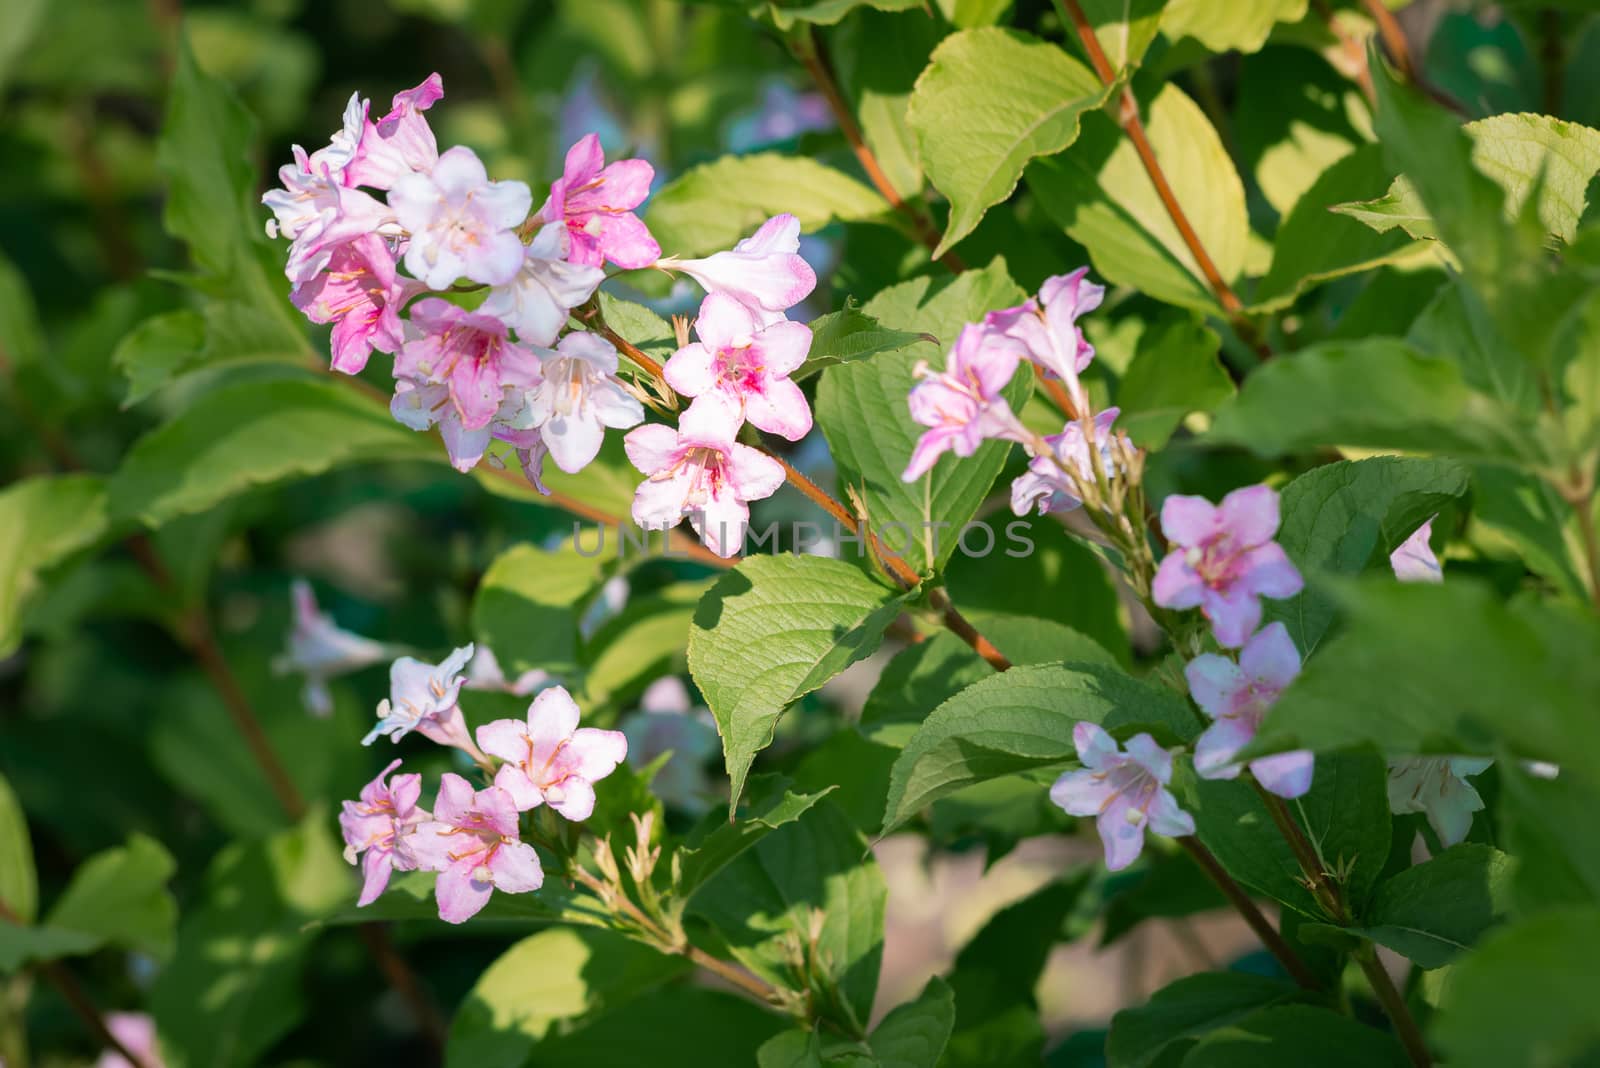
[(1286, 956), (1394, 38)]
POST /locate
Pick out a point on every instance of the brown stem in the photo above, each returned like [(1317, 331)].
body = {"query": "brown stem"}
[(1133, 126), (1269, 935), (1394, 38), (746, 981), (1394, 1006), (809, 51), (957, 624)]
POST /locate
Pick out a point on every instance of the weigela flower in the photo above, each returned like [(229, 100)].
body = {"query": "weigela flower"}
[(579, 397), (320, 650), (1048, 327), (1125, 789), (1236, 697), (962, 406), (398, 144), (420, 405), (376, 826), (319, 214), (764, 272), (137, 1033), (422, 697), (1045, 487), (595, 203), (699, 471), (667, 723), (471, 354), (361, 294), (746, 364), (1414, 560), (546, 287), (550, 760), (1438, 788), (474, 843), (1224, 559), (461, 223)]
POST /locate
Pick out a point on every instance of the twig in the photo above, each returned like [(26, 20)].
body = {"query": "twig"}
[(1280, 949), (1394, 38), (1354, 48)]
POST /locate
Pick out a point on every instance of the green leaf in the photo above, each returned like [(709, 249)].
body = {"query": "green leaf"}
[(772, 630), (1238, 26), (714, 205), (1448, 669), (19, 882), (1187, 1010), (1175, 371), (20, 946), (1023, 719), (639, 325), (786, 14), (913, 1035), (528, 606), (120, 896), (1292, 120), (1523, 996), (706, 854), (252, 435), (1437, 910), (1125, 28), (158, 350), (1103, 197), (641, 643), (990, 101), (562, 974), (862, 410), (1315, 245), (1456, 326), (1345, 817), (1547, 827), (879, 57), (680, 1027), (1341, 518), (813, 877), (43, 521), (1301, 1035), (848, 335), (791, 1049)]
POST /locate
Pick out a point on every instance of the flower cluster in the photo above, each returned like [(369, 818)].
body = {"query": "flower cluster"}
[(472, 837)]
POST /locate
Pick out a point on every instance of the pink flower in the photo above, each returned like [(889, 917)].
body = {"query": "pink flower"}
[(1438, 788), (471, 354), (1414, 560), (376, 827), (550, 759), (319, 214), (422, 698), (1127, 791), (461, 224), (700, 472), (579, 397), (361, 294), (473, 842), (962, 406), (536, 301), (1237, 696), (596, 203), (1224, 559), (747, 365), (320, 650), (764, 272), (420, 404), (1044, 486), (137, 1033), (398, 144), (1048, 327)]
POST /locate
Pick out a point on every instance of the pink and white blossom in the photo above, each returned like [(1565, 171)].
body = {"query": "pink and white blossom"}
[(596, 204), (546, 287), (578, 399), (420, 405), (746, 364), (1223, 560), (764, 272), (361, 294), (699, 471), (1414, 561), (962, 406), (549, 759), (461, 224), (422, 698), (471, 354), (137, 1033), (474, 843), (376, 827), (1048, 327), (1045, 487), (1126, 789), (400, 143), (319, 214), (1438, 788), (1236, 697), (320, 649)]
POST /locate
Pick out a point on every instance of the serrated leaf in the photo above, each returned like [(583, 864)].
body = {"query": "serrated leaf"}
[(849, 335), (120, 897), (771, 631), (1124, 28), (786, 14), (704, 855), (913, 1035), (639, 325), (1187, 1010), (1237, 26), (990, 101), (641, 643), (1303, 1035), (43, 521), (1436, 911), (528, 606), (1019, 720)]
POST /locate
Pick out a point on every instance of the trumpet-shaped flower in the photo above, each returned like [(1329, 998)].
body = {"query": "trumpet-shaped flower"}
[(1048, 327), (422, 698), (474, 843), (471, 355), (319, 214), (595, 203), (1125, 789), (1414, 561), (1438, 788), (376, 828), (1236, 697), (1045, 486), (764, 272), (400, 143), (746, 364), (321, 650), (1224, 560), (579, 397), (962, 406), (420, 405), (461, 223), (535, 303), (549, 759), (699, 471), (361, 294)]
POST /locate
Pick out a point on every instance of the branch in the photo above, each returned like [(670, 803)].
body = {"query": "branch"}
[(1274, 941)]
